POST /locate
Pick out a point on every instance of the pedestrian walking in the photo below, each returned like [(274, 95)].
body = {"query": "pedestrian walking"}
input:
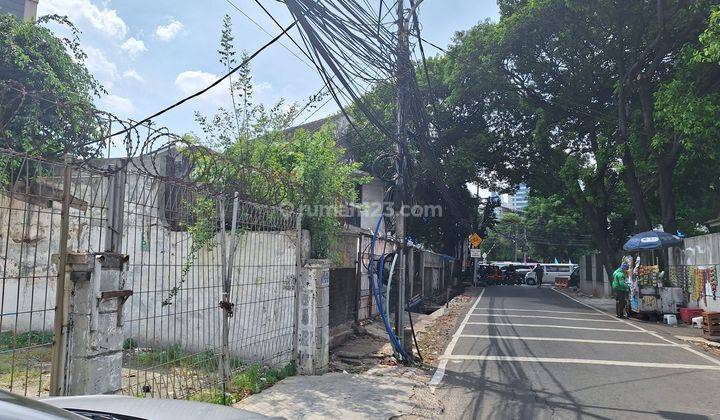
[(539, 272), (621, 289)]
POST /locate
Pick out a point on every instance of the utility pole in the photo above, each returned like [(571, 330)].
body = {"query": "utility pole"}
[(403, 58)]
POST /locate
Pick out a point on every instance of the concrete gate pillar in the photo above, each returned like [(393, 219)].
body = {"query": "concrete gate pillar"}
[(94, 323), (313, 318)]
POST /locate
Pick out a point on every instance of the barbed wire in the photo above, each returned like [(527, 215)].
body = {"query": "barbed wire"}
[(36, 125)]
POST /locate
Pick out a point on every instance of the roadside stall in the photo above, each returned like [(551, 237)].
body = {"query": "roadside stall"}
[(648, 293)]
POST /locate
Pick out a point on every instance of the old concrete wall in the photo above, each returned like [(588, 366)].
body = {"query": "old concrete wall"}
[(29, 237), (373, 197), (263, 285), (699, 251), (593, 279)]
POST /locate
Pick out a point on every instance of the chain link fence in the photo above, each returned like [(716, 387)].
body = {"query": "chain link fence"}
[(213, 277), (31, 197)]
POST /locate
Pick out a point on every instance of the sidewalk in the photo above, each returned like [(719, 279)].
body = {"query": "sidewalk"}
[(365, 381), (682, 332), (380, 393)]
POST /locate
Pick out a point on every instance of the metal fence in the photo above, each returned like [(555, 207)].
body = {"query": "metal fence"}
[(213, 277), (429, 278), (31, 196), (182, 264)]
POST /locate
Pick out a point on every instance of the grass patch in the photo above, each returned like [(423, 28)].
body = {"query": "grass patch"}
[(24, 358), (251, 380), (257, 377), (175, 356), (9, 340), (214, 397)]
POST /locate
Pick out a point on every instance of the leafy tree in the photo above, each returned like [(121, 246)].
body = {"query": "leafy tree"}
[(570, 108), (251, 150), (506, 240), (46, 92)]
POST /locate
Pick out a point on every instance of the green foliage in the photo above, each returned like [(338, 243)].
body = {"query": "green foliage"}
[(202, 231), (175, 355), (57, 116), (215, 397), (710, 40), (253, 152), (9, 340), (256, 377), (129, 344)]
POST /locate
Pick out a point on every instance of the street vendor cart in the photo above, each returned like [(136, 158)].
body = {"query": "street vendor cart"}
[(648, 294)]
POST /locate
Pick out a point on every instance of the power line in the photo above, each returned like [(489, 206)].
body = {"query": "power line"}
[(262, 28), (217, 82)]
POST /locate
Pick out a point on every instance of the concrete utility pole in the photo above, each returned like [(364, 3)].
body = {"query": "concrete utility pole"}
[(403, 57)]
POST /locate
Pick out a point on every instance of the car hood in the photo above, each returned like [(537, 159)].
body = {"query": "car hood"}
[(153, 408)]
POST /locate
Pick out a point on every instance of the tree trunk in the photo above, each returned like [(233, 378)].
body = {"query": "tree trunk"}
[(667, 195), (630, 175), (637, 197)]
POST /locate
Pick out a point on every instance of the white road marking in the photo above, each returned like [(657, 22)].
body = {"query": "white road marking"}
[(581, 361), (539, 310), (569, 340), (547, 317), (440, 371), (553, 326), (653, 333)]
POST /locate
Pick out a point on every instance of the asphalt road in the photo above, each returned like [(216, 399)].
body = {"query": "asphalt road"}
[(528, 353)]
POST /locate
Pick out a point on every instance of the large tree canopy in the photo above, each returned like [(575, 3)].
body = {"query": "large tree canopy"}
[(46, 93), (598, 102)]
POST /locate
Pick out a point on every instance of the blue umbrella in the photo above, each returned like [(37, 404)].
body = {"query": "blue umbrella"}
[(650, 240)]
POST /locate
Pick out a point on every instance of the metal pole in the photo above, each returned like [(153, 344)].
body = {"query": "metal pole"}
[(402, 70), (298, 272), (225, 304), (57, 369), (224, 374), (116, 208)]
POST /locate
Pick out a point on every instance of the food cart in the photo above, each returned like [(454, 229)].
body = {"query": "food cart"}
[(648, 295)]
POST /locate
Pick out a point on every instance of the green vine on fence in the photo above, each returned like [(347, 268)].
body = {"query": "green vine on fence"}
[(202, 231)]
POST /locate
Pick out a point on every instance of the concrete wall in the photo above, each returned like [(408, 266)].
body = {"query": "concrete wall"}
[(699, 251), (263, 284), (593, 279), (29, 237), (373, 197)]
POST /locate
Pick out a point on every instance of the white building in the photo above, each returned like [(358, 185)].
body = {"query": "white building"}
[(519, 201), (22, 9)]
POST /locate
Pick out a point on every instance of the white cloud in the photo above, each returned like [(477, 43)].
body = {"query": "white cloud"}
[(133, 46), (262, 87), (193, 80), (99, 65), (105, 20), (131, 74), (170, 31), (118, 105)]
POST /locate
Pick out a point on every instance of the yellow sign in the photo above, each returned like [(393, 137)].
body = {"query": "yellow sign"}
[(475, 240)]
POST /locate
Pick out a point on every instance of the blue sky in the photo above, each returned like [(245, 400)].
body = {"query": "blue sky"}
[(149, 54)]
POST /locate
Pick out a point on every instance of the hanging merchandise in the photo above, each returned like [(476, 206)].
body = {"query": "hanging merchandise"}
[(673, 276), (648, 275), (709, 277), (698, 284)]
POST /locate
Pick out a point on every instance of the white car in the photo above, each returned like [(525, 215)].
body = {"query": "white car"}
[(114, 407), (552, 273)]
